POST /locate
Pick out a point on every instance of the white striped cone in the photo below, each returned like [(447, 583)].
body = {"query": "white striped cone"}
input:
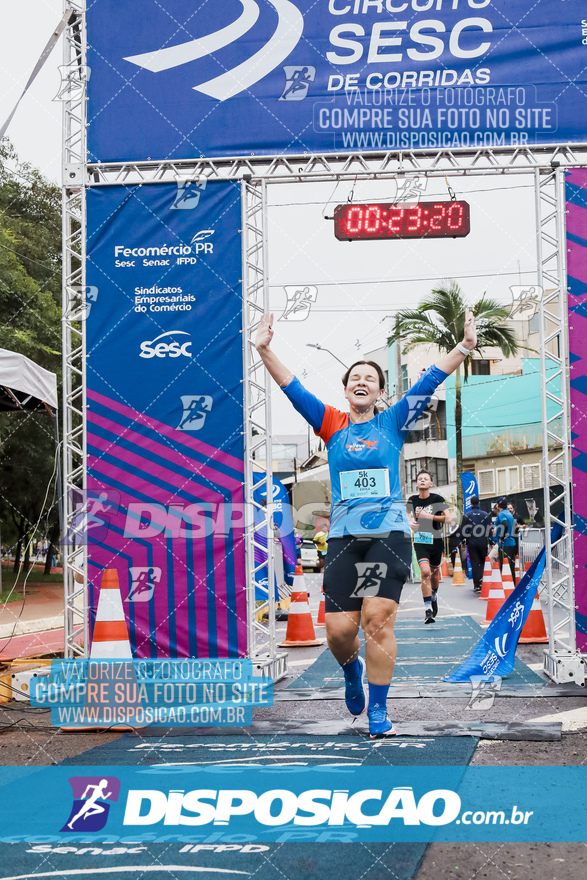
[(300, 629), (110, 637), (506, 577), (494, 602), (534, 629), (299, 582), (489, 577)]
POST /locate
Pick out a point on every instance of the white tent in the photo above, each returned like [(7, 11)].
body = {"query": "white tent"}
[(25, 385)]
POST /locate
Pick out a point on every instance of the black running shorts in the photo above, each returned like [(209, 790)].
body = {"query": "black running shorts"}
[(359, 568), (432, 552)]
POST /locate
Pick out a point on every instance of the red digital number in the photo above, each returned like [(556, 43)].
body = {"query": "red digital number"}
[(415, 221), (372, 218), (436, 219), (359, 220), (396, 216), (454, 216)]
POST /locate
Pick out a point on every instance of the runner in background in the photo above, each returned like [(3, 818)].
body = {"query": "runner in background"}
[(476, 529), (428, 512), (503, 532), (519, 524), (369, 543), (321, 541)]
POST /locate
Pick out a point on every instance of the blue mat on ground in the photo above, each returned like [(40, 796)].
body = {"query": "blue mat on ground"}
[(425, 655), (344, 860), (303, 857), (277, 750)]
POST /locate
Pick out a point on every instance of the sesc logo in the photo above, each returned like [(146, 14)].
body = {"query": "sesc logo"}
[(174, 349)]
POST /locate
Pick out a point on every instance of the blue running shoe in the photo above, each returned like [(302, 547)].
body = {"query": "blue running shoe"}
[(379, 723), (354, 692)]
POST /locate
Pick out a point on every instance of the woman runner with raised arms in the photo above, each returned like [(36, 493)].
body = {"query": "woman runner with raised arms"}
[(369, 543)]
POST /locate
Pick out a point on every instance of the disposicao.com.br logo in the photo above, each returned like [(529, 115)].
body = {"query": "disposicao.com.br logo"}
[(244, 809)]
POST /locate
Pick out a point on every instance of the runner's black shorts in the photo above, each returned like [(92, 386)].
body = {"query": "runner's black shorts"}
[(432, 552), (358, 568)]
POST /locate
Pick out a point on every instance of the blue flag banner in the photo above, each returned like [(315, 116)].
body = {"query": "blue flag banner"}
[(496, 651), (470, 488), (282, 517)]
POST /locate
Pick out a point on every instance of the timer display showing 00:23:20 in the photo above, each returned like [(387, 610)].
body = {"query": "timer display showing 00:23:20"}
[(385, 221)]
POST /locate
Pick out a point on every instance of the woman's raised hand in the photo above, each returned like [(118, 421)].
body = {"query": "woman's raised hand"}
[(264, 332), (470, 337)]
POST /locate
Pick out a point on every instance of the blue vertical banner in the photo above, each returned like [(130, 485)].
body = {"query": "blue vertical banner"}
[(165, 414), (470, 488), (178, 79)]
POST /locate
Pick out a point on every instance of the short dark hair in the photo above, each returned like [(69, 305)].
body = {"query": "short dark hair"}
[(424, 471), (474, 499), (502, 503), (376, 367)]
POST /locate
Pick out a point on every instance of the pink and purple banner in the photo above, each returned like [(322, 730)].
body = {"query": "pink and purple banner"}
[(165, 414), (576, 207)]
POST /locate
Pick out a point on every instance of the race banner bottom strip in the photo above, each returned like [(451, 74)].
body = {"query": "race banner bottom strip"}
[(278, 804)]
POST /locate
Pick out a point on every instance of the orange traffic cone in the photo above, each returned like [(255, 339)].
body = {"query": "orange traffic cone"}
[(487, 570), (299, 583), (534, 629), (444, 567), (321, 619), (506, 577), (300, 629), (458, 578), (493, 579), (517, 570), (494, 602), (527, 566), (110, 637)]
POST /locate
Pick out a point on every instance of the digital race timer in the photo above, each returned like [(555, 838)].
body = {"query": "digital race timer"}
[(381, 221)]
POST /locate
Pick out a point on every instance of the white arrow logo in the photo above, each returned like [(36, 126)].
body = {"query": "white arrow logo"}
[(500, 649), (287, 34)]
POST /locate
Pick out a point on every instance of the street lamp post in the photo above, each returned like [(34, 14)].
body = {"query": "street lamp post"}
[(321, 348)]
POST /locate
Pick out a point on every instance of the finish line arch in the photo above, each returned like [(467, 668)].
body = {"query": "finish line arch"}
[(546, 164)]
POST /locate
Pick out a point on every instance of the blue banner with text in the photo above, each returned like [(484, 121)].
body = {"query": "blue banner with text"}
[(173, 79), (188, 803)]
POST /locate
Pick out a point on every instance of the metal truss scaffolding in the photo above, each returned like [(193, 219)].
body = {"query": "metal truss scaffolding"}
[(561, 661), (73, 95), (262, 648)]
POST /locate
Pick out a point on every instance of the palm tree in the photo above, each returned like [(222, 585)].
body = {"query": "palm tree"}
[(440, 320)]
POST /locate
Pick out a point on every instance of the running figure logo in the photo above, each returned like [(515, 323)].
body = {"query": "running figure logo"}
[(484, 690), (90, 802), (188, 194), (144, 579), (195, 409), (299, 302), (525, 299), (297, 82), (411, 189), (370, 575)]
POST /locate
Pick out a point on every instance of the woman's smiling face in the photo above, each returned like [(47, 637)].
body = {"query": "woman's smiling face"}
[(362, 390)]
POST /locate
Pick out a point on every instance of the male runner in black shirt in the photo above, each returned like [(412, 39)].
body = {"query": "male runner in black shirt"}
[(476, 528), (427, 517)]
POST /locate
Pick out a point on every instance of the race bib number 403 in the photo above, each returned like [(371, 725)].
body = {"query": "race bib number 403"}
[(373, 483)]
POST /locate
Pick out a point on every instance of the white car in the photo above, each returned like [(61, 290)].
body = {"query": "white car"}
[(309, 555)]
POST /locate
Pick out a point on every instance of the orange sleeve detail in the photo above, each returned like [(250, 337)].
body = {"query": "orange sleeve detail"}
[(334, 420)]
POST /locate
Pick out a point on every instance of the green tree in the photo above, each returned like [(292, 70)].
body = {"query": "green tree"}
[(439, 319), (30, 323)]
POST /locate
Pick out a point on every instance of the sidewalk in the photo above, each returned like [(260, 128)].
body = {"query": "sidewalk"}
[(33, 626)]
